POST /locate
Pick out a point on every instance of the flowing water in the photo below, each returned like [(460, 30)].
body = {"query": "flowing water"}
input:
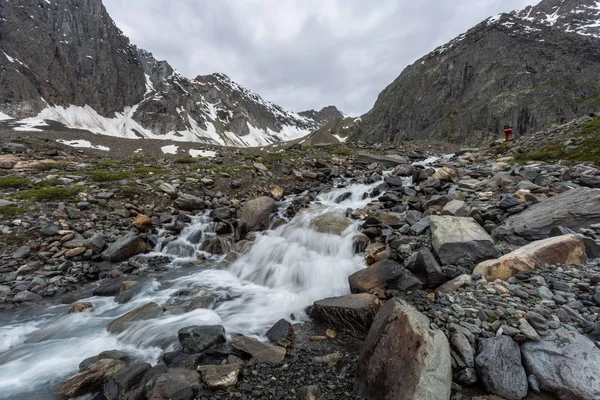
[(286, 270)]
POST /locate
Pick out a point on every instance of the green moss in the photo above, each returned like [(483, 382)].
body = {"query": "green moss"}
[(50, 193), (110, 164), (51, 166), (591, 128), (138, 158), (49, 183), (13, 181), (107, 176), (12, 211), (186, 160), (342, 151)]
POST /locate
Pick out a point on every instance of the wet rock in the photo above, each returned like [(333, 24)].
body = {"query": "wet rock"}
[(281, 329), (402, 358), (360, 243), (147, 311), (375, 252), (566, 249), (91, 379), (120, 384), (427, 269), (459, 240), (255, 214), (393, 181), (85, 306), (564, 363), (574, 209), (351, 313), (499, 366), (25, 296), (107, 289), (196, 339), (262, 352), (333, 223), (165, 385), (382, 276), (220, 376), (239, 249), (188, 202), (123, 248)]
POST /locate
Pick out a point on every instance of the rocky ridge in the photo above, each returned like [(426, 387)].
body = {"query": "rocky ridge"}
[(513, 69)]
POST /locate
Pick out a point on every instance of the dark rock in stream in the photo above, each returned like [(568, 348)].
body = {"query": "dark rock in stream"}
[(196, 339)]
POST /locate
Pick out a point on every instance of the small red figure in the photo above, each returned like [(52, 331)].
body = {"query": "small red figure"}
[(507, 133)]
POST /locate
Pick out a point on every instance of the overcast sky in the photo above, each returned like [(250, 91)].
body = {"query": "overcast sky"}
[(301, 54)]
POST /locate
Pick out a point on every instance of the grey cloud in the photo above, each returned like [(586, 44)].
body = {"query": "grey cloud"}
[(300, 55)]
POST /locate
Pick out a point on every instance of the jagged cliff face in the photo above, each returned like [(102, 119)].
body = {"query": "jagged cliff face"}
[(527, 69), (65, 52), (65, 60)]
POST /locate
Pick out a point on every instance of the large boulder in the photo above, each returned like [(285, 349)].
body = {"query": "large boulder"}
[(574, 209), (382, 276), (458, 240), (147, 311), (499, 367), (165, 385), (255, 214), (123, 248), (91, 379), (565, 363), (566, 249), (196, 339), (352, 313), (402, 358), (333, 223), (220, 376)]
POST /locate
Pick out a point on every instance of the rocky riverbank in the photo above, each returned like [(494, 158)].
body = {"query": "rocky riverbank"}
[(476, 265)]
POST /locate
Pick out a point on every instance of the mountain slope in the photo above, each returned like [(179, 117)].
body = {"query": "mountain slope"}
[(530, 69), (65, 60)]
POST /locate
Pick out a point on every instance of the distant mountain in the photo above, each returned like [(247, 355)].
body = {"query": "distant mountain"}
[(65, 60), (527, 69)]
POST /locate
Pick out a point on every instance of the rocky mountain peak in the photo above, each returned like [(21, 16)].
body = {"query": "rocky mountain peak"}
[(575, 16), (67, 61)]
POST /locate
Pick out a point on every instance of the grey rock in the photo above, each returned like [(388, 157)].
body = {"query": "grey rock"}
[(196, 339), (147, 311), (459, 240), (420, 226), (50, 230), (381, 276), (26, 295), (188, 202), (353, 313), (573, 209), (427, 269), (105, 355), (220, 376), (402, 358), (457, 208), (508, 202), (266, 353), (281, 329), (21, 252), (499, 367), (462, 346), (14, 148), (120, 384), (564, 363), (123, 248), (91, 379), (255, 214), (527, 330), (96, 243)]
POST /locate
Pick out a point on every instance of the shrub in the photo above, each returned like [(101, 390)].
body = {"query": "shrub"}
[(51, 166), (107, 176), (13, 181), (50, 193), (12, 211)]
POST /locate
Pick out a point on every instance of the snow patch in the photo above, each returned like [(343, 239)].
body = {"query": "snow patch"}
[(170, 149), (12, 60), (494, 19), (202, 153), (83, 144), (340, 138), (138, 150), (4, 117)]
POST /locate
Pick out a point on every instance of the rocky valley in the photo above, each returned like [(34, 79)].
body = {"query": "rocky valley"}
[(174, 238)]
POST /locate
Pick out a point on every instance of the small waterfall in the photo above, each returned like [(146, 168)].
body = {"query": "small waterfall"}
[(285, 270)]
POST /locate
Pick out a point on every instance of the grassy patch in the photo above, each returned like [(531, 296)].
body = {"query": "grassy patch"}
[(591, 128), (185, 160), (51, 166), (50, 193), (138, 158), (13, 181), (12, 211), (342, 151), (49, 183), (107, 176)]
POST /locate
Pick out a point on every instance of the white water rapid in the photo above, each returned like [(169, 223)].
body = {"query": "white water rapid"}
[(285, 270)]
